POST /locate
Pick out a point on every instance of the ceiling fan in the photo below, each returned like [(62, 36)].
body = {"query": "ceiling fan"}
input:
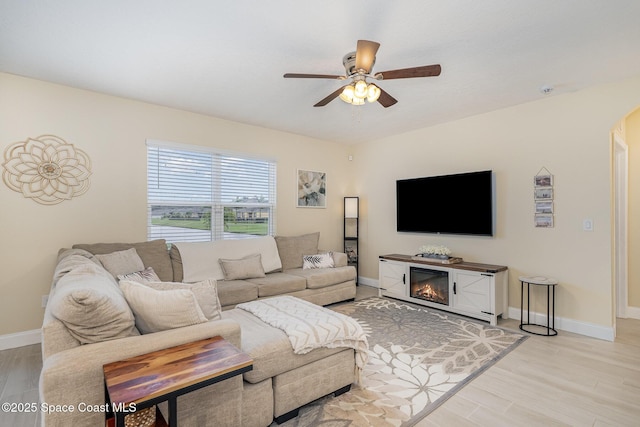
[(358, 67)]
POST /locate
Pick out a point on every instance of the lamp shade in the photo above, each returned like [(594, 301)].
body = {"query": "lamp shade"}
[(360, 89), (347, 94), (351, 207), (373, 93)]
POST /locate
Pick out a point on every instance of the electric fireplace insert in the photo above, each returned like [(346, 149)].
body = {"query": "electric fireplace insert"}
[(429, 285)]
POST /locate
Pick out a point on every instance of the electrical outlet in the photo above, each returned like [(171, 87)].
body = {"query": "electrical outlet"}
[(587, 225), (45, 300)]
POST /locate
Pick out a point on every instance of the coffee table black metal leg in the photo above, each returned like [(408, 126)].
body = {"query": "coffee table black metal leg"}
[(173, 411)]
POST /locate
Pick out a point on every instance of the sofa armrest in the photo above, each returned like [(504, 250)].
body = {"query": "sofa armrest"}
[(340, 259), (75, 376)]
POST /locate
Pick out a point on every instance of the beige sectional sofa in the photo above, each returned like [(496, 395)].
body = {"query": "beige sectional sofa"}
[(91, 320)]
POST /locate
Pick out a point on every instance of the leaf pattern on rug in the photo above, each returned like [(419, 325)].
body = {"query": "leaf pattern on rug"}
[(417, 356)]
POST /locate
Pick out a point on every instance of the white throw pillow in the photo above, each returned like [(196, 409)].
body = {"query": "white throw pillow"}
[(156, 311), (206, 293), (324, 260), (121, 262)]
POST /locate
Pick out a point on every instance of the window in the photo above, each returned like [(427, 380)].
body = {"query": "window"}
[(195, 194)]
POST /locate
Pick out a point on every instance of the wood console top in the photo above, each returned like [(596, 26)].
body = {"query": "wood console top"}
[(160, 373), (472, 266)]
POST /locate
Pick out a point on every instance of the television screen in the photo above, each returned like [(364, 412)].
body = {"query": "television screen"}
[(447, 204)]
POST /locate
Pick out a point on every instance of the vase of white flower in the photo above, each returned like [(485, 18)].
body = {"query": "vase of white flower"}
[(433, 251)]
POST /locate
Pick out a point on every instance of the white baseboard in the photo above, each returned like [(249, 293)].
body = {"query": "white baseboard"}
[(367, 282), (568, 325), (633, 312), (20, 339)]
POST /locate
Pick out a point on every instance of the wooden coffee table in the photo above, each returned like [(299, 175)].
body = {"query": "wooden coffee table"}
[(148, 379)]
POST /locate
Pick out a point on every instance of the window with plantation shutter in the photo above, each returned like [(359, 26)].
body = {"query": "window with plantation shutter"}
[(195, 194)]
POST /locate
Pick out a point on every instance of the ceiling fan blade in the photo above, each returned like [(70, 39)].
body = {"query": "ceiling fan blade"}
[(330, 98), (406, 73), (385, 99), (366, 55), (312, 76)]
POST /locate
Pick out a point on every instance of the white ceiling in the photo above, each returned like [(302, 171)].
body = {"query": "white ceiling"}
[(227, 58)]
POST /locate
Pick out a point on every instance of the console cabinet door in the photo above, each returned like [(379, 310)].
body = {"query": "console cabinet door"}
[(473, 292), (393, 278)]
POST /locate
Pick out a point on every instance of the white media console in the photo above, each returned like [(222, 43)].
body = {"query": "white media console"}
[(471, 289)]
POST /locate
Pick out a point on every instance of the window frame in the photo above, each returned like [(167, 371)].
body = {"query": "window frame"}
[(217, 206)]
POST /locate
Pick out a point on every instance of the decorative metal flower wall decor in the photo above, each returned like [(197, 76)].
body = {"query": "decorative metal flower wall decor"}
[(46, 169)]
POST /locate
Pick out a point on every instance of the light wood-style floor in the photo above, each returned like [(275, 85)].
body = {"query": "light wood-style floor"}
[(567, 380)]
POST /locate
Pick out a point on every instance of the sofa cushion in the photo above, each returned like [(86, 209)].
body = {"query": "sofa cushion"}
[(144, 276), (244, 268), (324, 260), (157, 311), (232, 292), (293, 248), (278, 283), (153, 254), (200, 259), (206, 293), (121, 262), (270, 347), (323, 277), (90, 304)]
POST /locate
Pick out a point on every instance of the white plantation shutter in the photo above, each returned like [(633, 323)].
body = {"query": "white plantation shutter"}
[(198, 194)]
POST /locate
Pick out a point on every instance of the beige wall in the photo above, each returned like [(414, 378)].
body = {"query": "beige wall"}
[(569, 135), (632, 125), (112, 131)]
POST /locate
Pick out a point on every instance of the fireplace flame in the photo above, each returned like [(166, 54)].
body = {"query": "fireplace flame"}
[(428, 292)]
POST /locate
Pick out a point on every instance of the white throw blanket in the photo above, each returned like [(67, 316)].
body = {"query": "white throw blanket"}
[(311, 326)]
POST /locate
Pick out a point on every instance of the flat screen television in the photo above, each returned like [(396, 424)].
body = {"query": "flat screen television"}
[(447, 204)]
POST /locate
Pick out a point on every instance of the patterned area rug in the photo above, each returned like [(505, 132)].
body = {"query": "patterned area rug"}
[(418, 358)]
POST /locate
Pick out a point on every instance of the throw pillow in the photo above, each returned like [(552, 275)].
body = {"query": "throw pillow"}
[(292, 248), (144, 276), (122, 262), (318, 261), (89, 303), (249, 267), (153, 253), (157, 311), (206, 293)]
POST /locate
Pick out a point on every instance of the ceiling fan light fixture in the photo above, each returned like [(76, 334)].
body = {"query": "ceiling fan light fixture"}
[(347, 94), (360, 89), (358, 66), (373, 93)]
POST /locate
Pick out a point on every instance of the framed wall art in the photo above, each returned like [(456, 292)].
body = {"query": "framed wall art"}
[(543, 193), (543, 198), (544, 221), (46, 169), (312, 189)]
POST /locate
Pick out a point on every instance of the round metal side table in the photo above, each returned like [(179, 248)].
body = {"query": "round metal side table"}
[(550, 283)]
